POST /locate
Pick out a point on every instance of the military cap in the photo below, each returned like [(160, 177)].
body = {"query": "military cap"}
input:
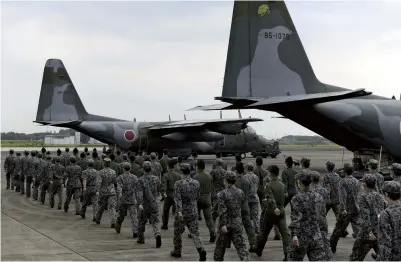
[(314, 175), (11, 151), (126, 165), (373, 162), (26, 152), (90, 161), (48, 157), (18, 153), (39, 155), (369, 178), (231, 176), (392, 187), (304, 176), (330, 164), (152, 155), (146, 164), (107, 160), (396, 168)]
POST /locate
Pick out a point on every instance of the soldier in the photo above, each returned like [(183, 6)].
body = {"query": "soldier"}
[(140, 159), (396, 172), (40, 172), (192, 163), (127, 192), (274, 212), (16, 172), (373, 164), (263, 177), (289, 180), (135, 168), (305, 164), (66, 157), (89, 179), (388, 239), (149, 209), (348, 206), (156, 167), (113, 165), (82, 162), (238, 159), (186, 195), (164, 161), (75, 153), (179, 163), (219, 159), (86, 151), (43, 150), (254, 204), (74, 187), (31, 172), (98, 164), (119, 158), (205, 200), (59, 153), (24, 171), (8, 168), (48, 174), (125, 160), (371, 204), (167, 189), (57, 183), (230, 201), (305, 223), (106, 184), (325, 196), (218, 175)]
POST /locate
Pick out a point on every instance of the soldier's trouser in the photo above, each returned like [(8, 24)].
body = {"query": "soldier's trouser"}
[(150, 212), (8, 180), (237, 237), (288, 200), (43, 191), (342, 224), (326, 243), (56, 189), (28, 186), (76, 193), (191, 222), (269, 220), (250, 231), (132, 211), (168, 202), (207, 213), (35, 194), (22, 183), (312, 246), (111, 201), (335, 208), (12, 181), (16, 181), (361, 248), (254, 208), (90, 196)]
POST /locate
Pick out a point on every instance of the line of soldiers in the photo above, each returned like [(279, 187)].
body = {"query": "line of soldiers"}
[(129, 184)]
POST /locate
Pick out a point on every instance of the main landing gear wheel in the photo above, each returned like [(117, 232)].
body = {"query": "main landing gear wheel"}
[(243, 156)]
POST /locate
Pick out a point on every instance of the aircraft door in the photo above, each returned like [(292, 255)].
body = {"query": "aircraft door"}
[(144, 143), (222, 142)]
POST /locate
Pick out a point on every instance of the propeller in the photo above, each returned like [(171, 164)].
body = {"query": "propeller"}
[(221, 114), (239, 113), (185, 117), (169, 118)]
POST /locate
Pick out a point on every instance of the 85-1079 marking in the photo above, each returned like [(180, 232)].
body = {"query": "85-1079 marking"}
[(277, 35)]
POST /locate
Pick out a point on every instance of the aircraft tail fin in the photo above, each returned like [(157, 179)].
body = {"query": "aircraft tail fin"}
[(265, 55), (59, 101)]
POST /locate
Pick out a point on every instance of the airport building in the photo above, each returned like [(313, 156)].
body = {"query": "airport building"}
[(61, 139)]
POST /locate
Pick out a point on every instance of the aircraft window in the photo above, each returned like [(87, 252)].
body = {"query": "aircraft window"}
[(251, 130)]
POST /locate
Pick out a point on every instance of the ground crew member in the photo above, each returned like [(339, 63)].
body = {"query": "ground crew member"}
[(125, 159), (218, 175), (396, 172), (186, 194), (75, 153), (305, 164), (149, 185), (16, 173), (274, 213), (40, 170), (57, 183), (254, 204), (113, 165), (167, 190), (192, 163), (139, 160), (262, 175), (89, 179), (288, 176), (179, 163), (31, 172), (127, 194), (66, 157), (205, 199), (230, 228), (371, 204), (219, 159), (48, 174), (24, 170), (8, 168), (164, 162), (83, 162), (305, 223), (389, 239), (135, 168), (106, 184), (119, 158), (373, 164), (73, 184), (348, 207)]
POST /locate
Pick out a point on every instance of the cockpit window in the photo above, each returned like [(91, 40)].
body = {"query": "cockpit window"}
[(250, 129)]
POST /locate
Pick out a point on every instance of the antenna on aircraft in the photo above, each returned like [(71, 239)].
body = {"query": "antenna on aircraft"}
[(239, 113), (221, 114), (134, 119), (393, 97), (185, 117), (169, 118)]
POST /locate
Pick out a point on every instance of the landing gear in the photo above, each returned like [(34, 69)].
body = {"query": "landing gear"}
[(243, 156)]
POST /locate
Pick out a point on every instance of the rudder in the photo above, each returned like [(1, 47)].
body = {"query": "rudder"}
[(265, 56), (59, 101)]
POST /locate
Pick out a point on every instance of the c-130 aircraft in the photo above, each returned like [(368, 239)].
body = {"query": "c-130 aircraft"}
[(267, 69), (60, 106)]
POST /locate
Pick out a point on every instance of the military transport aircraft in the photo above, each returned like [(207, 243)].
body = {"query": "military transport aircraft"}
[(60, 105), (267, 69)]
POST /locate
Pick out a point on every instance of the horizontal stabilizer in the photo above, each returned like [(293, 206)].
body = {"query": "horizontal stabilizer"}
[(58, 123), (223, 106), (282, 117), (312, 98)]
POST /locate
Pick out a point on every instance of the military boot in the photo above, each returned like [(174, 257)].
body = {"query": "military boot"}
[(117, 227), (285, 257), (202, 254), (158, 241), (65, 207), (175, 254), (141, 238), (212, 237)]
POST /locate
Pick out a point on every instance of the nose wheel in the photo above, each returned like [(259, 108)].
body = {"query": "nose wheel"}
[(243, 156)]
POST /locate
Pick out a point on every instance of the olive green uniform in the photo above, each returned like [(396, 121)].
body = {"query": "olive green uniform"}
[(168, 182), (290, 182), (205, 200)]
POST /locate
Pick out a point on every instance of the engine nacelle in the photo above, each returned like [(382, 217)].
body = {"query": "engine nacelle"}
[(206, 136), (230, 129)]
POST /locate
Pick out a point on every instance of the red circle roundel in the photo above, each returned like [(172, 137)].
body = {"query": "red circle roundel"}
[(129, 135)]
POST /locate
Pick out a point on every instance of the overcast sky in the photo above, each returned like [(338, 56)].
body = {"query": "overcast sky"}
[(151, 59)]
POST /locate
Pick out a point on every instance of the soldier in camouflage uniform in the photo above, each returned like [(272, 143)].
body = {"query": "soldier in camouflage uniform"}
[(127, 192), (57, 183), (8, 168), (324, 229), (125, 160), (106, 189), (396, 172), (24, 171), (164, 162), (135, 168), (65, 160), (371, 203), (186, 195), (373, 164), (83, 162), (254, 203), (30, 173), (219, 159), (192, 163), (349, 209), (305, 223), (156, 167), (48, 174), (230, 226), (289, 180), (149, 185), (218, 175), (139, 160), (179, 163), (238, 159), (89, 179), (167, 190), (389, 235), (16, 172), (74, 187), (40, 172)]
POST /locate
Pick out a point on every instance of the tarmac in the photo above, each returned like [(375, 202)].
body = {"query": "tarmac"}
[(31, 231)]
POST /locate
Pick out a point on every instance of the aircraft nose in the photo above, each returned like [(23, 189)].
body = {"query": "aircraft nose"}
[(263, 140)]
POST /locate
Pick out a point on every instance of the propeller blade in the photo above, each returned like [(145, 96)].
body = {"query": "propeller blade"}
[(185, 117), (239, 113), (169, 118), (221, 114)]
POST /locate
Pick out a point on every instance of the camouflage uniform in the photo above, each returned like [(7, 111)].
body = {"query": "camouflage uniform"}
[(389, 231), (30, 173), (16, 173), (305, 224), (222, 163), (74, 186), (48, 174), (230, 201), (89, 179), (254, 203), (396, 172), (167, 189), (8, 168), (186, 195), (218, 175), (40, 172), (57, 182), (371, 204), (127, 192), (331, 182), (379, 178), (106, 184), (24, 171), (148, 191), (119, 158), (136, 169), (65, 159), (164, 163)]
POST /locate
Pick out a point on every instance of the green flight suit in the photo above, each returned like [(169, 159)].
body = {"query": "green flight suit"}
[(290, 182), (116, 167), (136, 169), (167, 187), (205, 199), (164, 163), (139, 160), (275, 192), (83, 163)]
